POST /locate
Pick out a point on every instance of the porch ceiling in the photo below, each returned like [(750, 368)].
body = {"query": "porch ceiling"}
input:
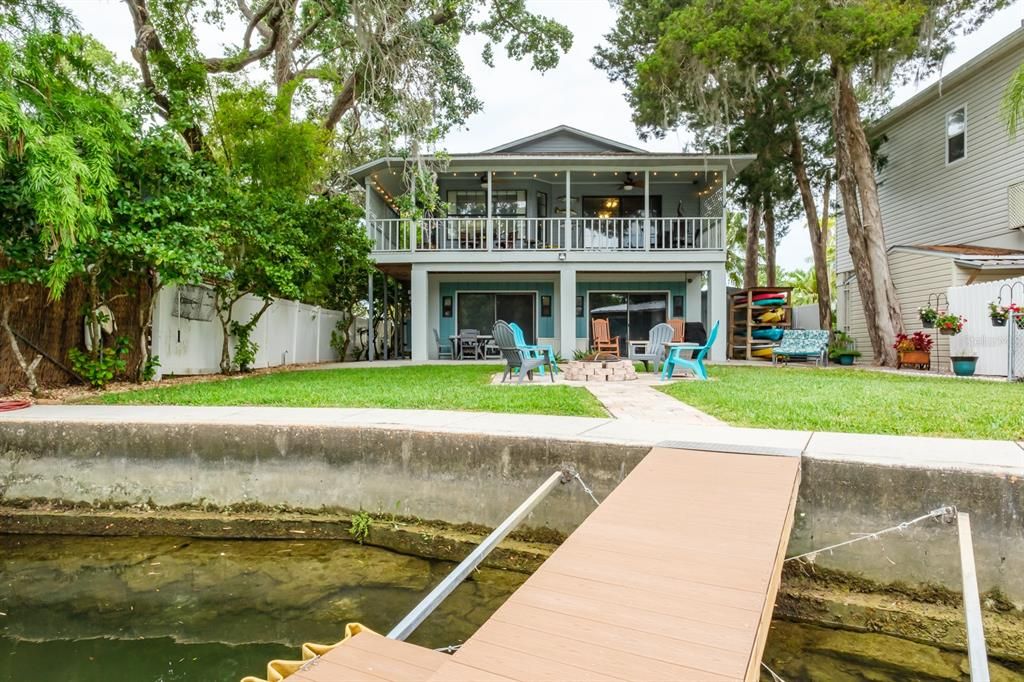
[(552, 162)]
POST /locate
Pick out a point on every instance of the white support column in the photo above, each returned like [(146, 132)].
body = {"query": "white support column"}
[(366, 210), (568, 211), (724, 233), (717, 310), (420, 321), (567, 311), (647, 210), (490, 218), (414, 224)]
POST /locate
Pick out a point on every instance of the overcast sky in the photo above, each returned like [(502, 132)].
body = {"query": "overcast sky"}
[(519, 101)]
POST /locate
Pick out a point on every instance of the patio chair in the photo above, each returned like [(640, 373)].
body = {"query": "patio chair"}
[(468, 341), (603, 341), (696, 365), (678, 329), (534, 350), (443, 350), (516, 359), (802, 343), (653, 347)]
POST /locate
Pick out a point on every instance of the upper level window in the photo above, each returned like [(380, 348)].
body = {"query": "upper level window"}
[(473, 203), (956, 129)]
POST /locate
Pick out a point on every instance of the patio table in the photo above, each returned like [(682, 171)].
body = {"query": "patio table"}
[(481, 341)]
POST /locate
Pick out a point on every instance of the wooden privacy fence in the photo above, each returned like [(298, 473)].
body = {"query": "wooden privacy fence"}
[(58, 326), (979, 336)]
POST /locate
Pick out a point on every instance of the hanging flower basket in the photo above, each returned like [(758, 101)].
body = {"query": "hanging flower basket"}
[(949, 324), (928, 316), (999, 314)]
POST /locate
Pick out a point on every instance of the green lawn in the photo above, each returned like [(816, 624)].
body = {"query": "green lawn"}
[(436, 387), (857, 401)]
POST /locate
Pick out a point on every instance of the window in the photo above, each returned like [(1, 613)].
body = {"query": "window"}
[(619, 207), (956, 135), (630, 315), (473, 203), (468, 203), (480, 310), (508, 203)]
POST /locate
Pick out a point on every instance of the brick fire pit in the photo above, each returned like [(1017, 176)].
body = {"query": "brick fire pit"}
[(603, 370)]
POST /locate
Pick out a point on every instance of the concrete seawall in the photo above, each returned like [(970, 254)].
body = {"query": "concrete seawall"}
[(849, 484)]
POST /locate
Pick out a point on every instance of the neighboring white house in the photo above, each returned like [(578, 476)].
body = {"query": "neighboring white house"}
[(951, 191), (552, 229)]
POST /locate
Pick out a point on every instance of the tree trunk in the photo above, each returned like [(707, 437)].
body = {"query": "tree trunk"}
[(146, 313), (28, 368), (817, 228), (856, 178), (769, 242), (224, 315), (753, 237)]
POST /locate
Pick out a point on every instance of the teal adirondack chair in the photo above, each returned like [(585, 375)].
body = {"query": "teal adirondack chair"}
[(696, 365), (533, 350)]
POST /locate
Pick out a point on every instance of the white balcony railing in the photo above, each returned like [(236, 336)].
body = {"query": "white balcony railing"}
[(538, 234)]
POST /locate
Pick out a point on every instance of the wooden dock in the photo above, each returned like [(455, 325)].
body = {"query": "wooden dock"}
[(673, 577)]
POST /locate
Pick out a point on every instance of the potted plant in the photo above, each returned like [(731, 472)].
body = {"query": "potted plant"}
[(963, 357), (914, 350), (950, 324), (842, 349), (928, 316), (999, 314)]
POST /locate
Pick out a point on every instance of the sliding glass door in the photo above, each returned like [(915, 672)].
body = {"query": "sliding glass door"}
[(477, 310), (630, 315)]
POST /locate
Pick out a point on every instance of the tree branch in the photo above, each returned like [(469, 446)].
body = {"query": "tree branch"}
[(249, 13), (273, 14)]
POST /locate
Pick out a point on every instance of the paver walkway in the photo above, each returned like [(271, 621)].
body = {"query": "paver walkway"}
[(638, 400)]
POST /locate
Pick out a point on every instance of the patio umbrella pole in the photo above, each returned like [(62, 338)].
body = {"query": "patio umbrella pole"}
[(469, 564)]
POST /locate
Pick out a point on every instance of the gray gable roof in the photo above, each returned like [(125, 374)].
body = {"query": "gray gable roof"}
[(563, 139)]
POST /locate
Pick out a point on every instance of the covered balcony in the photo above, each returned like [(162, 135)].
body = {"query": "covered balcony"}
[(607, 210)]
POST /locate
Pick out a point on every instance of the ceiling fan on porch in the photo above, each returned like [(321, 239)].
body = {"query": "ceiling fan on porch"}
[(630, 183)]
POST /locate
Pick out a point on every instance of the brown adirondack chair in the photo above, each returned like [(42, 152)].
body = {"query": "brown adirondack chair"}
[(678, 325), (602, 341)]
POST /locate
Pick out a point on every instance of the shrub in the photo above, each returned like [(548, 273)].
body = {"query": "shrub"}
[(100, 368)]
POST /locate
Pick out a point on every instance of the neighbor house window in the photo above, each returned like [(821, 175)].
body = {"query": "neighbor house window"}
[(956, 129)]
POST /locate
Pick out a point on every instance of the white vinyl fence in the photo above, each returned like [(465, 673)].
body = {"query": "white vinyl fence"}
[(806, 316), (187, 335), (979, 337)]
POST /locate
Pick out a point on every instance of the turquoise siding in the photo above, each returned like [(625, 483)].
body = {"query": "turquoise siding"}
[(675, 288), (545, 325)]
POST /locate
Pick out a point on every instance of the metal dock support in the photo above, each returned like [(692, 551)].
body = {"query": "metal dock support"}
[(469, 564), (976, 654)]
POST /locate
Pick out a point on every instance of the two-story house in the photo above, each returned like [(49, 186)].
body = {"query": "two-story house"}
[(951, 191), (553, 230)]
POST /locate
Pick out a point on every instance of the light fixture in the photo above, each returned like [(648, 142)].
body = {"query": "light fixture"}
[(561, 255)]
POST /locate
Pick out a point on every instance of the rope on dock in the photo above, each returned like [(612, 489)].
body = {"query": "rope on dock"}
[(947, 514)]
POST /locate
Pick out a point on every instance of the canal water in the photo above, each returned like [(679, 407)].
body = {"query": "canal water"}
[(79, 609)]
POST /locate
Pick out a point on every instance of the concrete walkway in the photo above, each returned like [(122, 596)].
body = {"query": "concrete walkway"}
[(639, 401), (1001, 457)]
